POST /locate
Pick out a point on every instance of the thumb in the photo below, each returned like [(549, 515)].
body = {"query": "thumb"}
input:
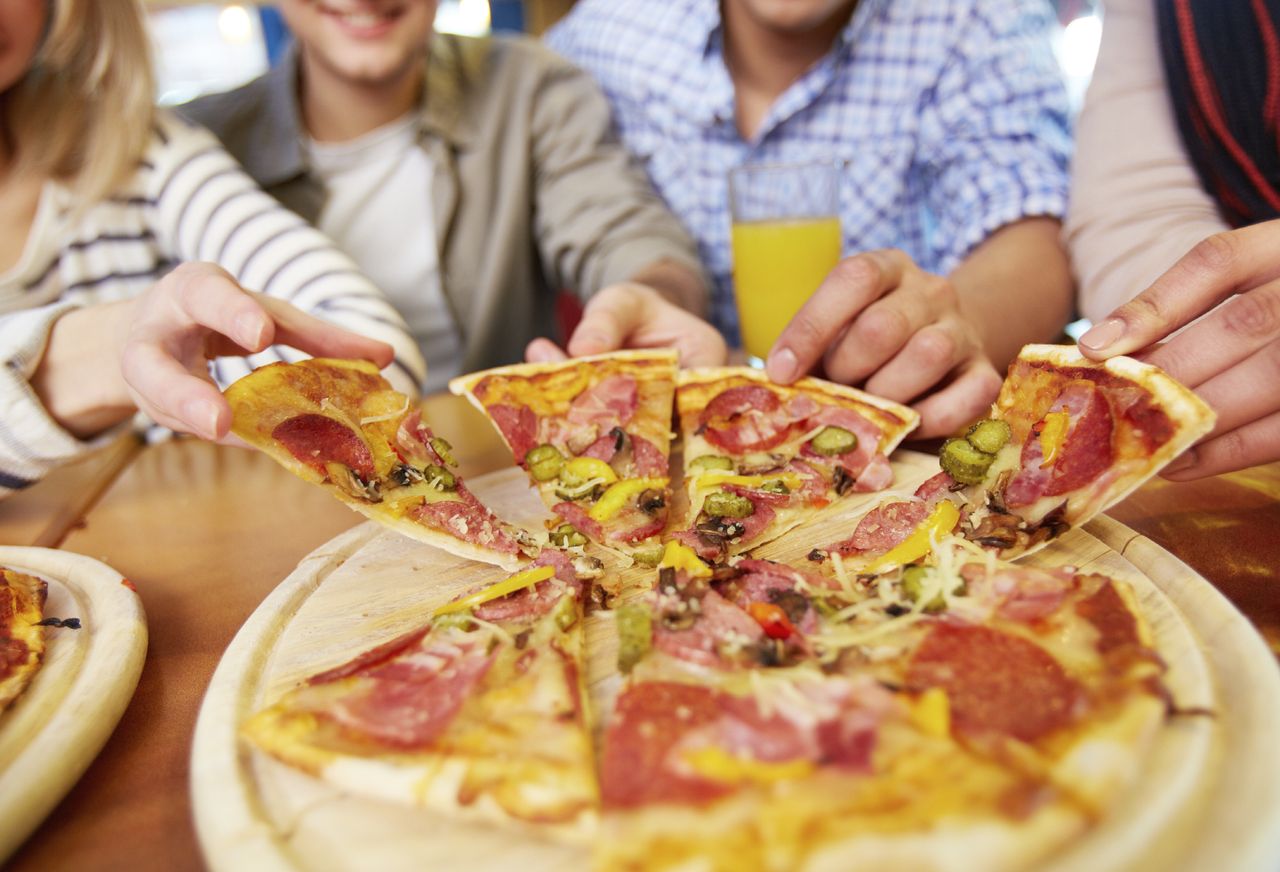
[(610, 317)]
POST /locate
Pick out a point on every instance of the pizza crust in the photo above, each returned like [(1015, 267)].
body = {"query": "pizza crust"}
[(464, 385), (27, 595)]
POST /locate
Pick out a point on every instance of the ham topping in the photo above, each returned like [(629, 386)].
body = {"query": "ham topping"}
[(518, 425), (609, 403)]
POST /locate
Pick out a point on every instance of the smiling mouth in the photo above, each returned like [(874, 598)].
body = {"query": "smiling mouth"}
[(362, 17)]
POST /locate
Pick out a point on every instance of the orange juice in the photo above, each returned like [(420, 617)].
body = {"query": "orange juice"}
[(776, 266)]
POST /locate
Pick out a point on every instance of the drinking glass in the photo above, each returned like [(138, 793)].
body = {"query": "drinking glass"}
[(786, 238)]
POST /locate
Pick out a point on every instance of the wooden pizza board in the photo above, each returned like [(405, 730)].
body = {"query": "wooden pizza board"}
[(51, 733), (1209, 798)]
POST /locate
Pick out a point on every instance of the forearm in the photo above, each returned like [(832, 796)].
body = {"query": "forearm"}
[(78, 379), (1016, 287), (677, 283)]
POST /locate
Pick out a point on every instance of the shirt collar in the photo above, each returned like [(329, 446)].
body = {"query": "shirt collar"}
[(277, 154)]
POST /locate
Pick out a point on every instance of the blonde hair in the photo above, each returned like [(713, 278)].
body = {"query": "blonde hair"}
[(83, 112)]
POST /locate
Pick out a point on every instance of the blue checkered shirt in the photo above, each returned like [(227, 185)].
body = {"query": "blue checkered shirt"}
[(949, 118)]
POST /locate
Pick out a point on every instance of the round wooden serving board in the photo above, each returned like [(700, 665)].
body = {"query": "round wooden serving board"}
[(1208, 798), (51, 733)]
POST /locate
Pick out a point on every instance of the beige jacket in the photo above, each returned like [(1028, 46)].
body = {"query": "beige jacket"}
[(1136, 202), (532, 191)]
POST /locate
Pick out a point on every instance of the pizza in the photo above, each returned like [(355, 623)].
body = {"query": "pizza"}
[(476, 714), (594, 436), (963, 707), (762, 458), (900, 699), (21, 633), (1066, 439), (340, 424)]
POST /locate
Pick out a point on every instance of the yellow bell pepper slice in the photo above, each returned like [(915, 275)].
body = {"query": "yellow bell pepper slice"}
[(1053, 435), (519, 581), (932, 713), (941, 521), (619, 493), (587, 468), (718, 478), (719, 765), (677, 556)]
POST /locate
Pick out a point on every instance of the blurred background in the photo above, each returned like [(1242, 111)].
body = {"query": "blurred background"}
[(202, 47)]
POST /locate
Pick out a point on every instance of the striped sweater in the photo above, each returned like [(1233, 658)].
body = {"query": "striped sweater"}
[(189, 201)]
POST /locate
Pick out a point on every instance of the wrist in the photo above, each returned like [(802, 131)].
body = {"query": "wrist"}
[(78, 378)]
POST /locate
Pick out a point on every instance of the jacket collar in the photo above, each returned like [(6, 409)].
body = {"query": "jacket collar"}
[(277, 156)]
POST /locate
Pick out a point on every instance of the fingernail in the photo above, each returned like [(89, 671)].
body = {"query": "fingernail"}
[(782, 366), (1186, 460), (1102, 336), (202, 418), (249, 330)]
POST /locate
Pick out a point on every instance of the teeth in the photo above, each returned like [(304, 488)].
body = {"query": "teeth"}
[(365, 19)]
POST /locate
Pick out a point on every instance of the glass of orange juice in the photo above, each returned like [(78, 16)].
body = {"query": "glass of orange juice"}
[(786, 238)]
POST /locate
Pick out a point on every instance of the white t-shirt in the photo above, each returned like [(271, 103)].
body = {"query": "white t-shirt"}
[(379, 212)]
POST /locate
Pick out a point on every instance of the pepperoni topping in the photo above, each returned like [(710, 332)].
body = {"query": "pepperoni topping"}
[(643, 531), (410, 699), (884, 527), (767, 582), (518, 425), (318, 439), (371, 658), (1085, 454), (754, 524), (935, 488), (876, 475), (603, 448), (608, 403), (1026, 594), (577, 516), (745, 418), (758, 497), (466, 520), (650, 462), (1109, 615), (649, 720), (995, 682), (815, 487)]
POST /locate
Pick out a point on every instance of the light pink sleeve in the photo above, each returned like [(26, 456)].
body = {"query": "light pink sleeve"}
[(1136, 202)]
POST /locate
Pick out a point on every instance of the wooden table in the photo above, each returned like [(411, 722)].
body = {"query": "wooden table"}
[(206, 532)]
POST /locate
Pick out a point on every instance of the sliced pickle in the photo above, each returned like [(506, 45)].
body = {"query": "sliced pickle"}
[(544, 462), (913, 579), (832, 441), (635, 635), (963, 462), (723, 504), (439, 478), (567, 536), (712, 461), (443, 449), (775, 486), (989, 436)]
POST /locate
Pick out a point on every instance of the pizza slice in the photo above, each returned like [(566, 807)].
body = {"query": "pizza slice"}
[(21, 633), (340, 424), (594, 435), (761, 458), (964, 707), (477, 714)]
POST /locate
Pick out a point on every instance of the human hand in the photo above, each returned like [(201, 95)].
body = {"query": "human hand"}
[(198, 312), (880, 319), (1230, 358), (630, 315)]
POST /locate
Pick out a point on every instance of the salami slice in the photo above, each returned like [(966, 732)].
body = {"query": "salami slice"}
[(884, 527), (996, 683), (577, 516), (518, 425), (746, 418), (469, 521), (1085, 454), (719, 623), (412, 697), (318, 439)]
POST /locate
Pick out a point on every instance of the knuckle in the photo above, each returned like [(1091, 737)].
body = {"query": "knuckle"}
[(883, 327), (935, 347), (1147, 308), (861, 270), (1214, 253), (1253, 315)]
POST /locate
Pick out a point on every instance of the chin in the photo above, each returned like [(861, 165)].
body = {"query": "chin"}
[(794, 16)]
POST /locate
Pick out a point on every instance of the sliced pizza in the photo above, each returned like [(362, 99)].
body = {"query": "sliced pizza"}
[(478, 714), (340, 424), (963, 707), (761, 458), (594, 436), (21, 633)]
